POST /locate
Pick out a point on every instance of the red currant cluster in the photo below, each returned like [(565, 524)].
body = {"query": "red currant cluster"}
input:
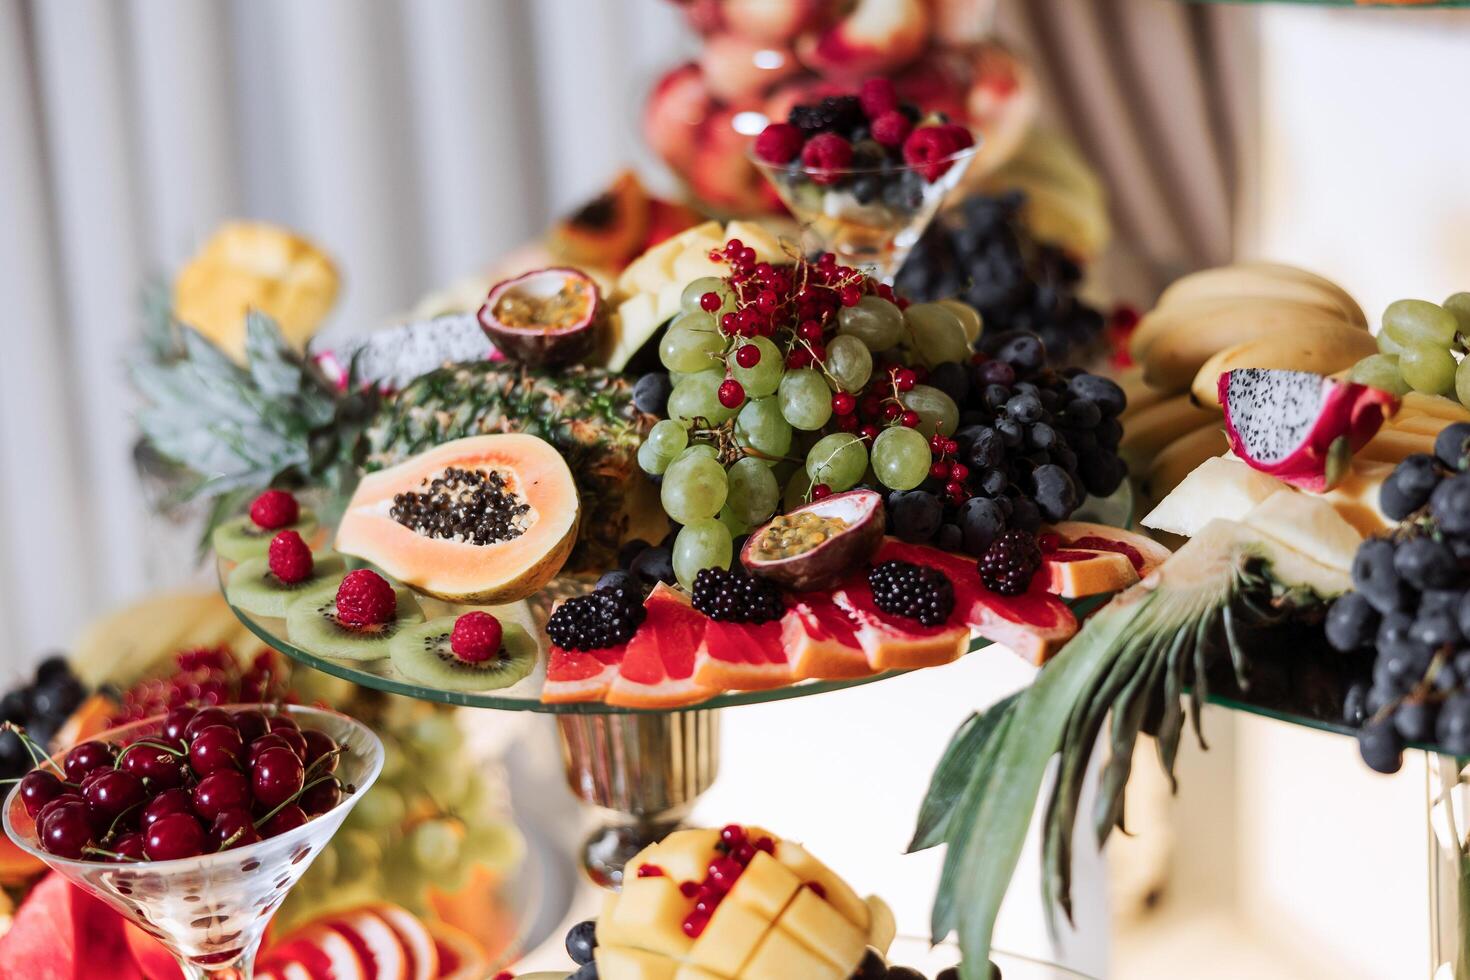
[(207, 780), (736, 851), (206, 676)]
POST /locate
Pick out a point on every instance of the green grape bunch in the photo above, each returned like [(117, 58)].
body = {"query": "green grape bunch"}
[(1421, 348)]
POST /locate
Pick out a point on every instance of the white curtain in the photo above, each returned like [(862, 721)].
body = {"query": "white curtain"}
[(413, 139)]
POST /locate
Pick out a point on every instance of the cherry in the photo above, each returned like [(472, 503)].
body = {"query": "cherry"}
[(161, 769), (251, 724), (175, 836), (279, 723), (86, 757), (214, 748), (294, 740), (57, 804), (128, 847), (66, 830), (233, 828), (37, 788), (170, 801), (320, 745), (176, 721), (320, 798), (227, 789), (205, 719), (268, 741), (287, 820), (275, 777), (114, 793)]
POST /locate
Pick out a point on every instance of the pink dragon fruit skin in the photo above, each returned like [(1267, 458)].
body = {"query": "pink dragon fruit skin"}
[(390, 359), (1300, 427)]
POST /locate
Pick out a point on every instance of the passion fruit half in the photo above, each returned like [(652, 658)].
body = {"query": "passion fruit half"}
[(545, 318), (817, 545)]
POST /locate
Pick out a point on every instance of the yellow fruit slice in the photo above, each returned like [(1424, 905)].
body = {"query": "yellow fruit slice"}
[(732, 935), (781, 956), (822, 929), (622, 963)]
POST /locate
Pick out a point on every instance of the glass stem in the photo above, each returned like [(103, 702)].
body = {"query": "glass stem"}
[(242, 969)]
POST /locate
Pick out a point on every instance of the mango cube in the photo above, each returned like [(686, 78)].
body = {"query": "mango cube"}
[(622, 963), (731, 936), (684, 855), (824, 930), (781, 957), (650, 914), (766, 886), (839, 893)]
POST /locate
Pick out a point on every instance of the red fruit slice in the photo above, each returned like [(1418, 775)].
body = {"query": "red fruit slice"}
[(1072, 573), (330, 955), (897, 642), (62, 932), (580, 675), (304, 957), (821, 639), (1033, 625), (657, 670), (375, 943), (460, 956), (418, 945), (1144, 553), (742, 656)]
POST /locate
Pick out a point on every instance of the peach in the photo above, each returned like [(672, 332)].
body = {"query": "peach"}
[(774, 21), (678, 105), (879, 36), (736, 68)]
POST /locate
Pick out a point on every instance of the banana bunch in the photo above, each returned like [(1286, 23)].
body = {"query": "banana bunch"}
[(1413, 428), (1253, 314)]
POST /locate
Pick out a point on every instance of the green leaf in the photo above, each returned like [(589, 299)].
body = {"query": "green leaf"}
[(274, 366), (953, 773)]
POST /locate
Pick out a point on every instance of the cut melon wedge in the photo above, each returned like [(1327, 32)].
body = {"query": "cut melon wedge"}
[(1308, 525), (657, 669), (1220, 487)]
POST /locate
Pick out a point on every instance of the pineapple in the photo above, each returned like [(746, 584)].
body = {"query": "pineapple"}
[(278, 422)]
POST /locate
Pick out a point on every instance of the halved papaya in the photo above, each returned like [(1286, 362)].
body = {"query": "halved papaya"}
[(487, 519)]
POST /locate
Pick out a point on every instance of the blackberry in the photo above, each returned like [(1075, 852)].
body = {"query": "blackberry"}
[(603, 618), (735, 597), (1010, 563), (902, 588)]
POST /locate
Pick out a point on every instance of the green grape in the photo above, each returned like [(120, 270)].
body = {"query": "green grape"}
[(732, 522), (1387, 345), (650, 460), (938, 335), (1381, 371), (693, 292), (838, 460), (704, 543), (850, 362), (698, 396), (393, 760), (874, 321), (762, 379), (705, 449), (937, 411), (901, 458), (494, 845), (380, 808), (694, 487), (968, 316), (1418, 323), (668, 438), (691, 343), (358, 854), (1462, 382), (806, 401), (753, 490), (435, 735), (761, 426), (1459, 306), (435, 845), (798, 488), (1431, 370)]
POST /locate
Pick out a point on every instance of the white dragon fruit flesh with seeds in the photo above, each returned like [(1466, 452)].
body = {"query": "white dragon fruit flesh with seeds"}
[(392, 359), (1300, 427)]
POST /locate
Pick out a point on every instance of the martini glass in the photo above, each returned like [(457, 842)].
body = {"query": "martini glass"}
[(869, 217), (211, 911)]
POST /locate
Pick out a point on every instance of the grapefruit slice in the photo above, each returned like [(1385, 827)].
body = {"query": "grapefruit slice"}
[(304, 958), (580, 675), (897, 642), (1033, 625), (1143, 553), (1075, 572), (657, 671), (460, 957), (821, 639), (742, 656), (335, 956), (413, 935)]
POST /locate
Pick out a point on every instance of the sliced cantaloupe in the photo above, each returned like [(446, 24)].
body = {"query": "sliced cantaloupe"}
[(454, 569)]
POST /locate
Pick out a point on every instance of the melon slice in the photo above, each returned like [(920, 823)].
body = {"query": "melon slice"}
[(657, 669), (1308, 525), (580, 675), (897, 642), (1221, 486), (454, 569), (742, 656), (821, 639)]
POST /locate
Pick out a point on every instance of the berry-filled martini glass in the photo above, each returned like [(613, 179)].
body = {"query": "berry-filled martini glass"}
[(864, 174), (196, 824)]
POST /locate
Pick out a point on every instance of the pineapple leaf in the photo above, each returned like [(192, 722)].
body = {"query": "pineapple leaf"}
[(274, 366), (954, 772)]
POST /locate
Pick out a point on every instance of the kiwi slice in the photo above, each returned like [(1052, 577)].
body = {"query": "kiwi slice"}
[(242, 539), (254, 588), (421, 653), (312, 624)]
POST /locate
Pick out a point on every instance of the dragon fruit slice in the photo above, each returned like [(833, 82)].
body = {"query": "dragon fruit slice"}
[(391, 359), (1300, 427)]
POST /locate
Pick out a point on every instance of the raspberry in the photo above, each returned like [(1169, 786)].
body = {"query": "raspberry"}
[(929, 148), (476, 637), (290, 558), (778, 143), (826, 152), (273, 509), (892, 128), (1010, 562), (878, 97), (365, 599)]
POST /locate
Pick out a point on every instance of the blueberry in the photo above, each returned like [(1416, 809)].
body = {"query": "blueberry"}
[(952, 379), (15, 707), (1381, 746), (1452, 728), (1450, 505), (987, 449), (57, 699), (981, 520), (653, 566), (51, 668), (867, 188), (581, 941), (13, 755), (1023, 351), (1375, 577), (587, 971), (1408, 486), (1025, 408), (1110, 398), (1441, 600), (1351, 623), (1452, 445), (949, 538), (1392, 628), (623, 582), (917, 515), (630, 550), (1024, 515), (1056, 494), (651, 393), (1426, 564)]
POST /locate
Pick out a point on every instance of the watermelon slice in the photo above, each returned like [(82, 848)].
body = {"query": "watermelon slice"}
[(580, 675), (1033, 625), (897, 642), (821, 639), (657, 670), (742, 656)]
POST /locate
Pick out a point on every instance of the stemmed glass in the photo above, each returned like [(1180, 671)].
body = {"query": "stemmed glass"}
[(869, 217), (211, 911)]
